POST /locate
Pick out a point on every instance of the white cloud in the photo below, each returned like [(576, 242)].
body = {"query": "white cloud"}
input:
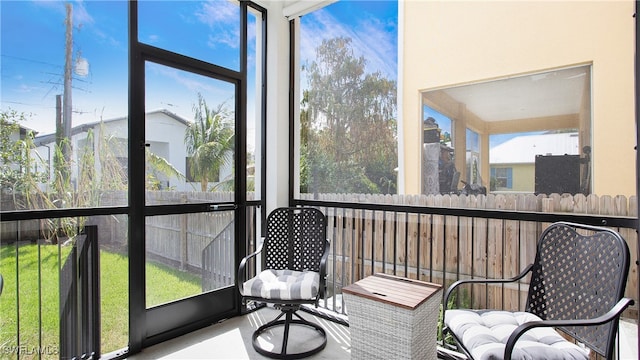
[(23, 88), (81, 16), (383, 55), (184, 87), (216, 12), (104, 38), (152, 39), (79, 12), (369, 38), (228, 38), (221, 17), (179, 77)]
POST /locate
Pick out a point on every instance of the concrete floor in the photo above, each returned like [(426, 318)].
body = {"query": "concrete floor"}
[(628, 341), (231, 339)]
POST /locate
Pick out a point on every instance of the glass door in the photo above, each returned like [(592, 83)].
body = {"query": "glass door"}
[(195, 125), (189, 162), (190, 147)]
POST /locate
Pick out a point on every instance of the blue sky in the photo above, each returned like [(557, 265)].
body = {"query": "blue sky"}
[(371, 25), (33, 48), (33, 58), (444, 123)]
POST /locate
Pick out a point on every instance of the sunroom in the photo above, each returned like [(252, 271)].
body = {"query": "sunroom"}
[(177, 127)]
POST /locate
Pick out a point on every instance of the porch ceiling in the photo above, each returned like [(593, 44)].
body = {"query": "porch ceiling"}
[(529, 96)]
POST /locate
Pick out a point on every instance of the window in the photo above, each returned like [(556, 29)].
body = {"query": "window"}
[(83, 83), (438, 153), (75, 70), (348, 87), (501, 178), (473, 164), (211, 28), (513, 120)]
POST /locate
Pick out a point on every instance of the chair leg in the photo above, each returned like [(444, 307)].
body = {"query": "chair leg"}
[(285, 337), (289, 312)]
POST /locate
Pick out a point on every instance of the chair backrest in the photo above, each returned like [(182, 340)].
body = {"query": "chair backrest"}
[(295, 239), (580, 272)]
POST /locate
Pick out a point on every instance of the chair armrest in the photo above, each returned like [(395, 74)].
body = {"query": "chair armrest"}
[(323, 270), (451, 288), (612, 314), (241, 269)]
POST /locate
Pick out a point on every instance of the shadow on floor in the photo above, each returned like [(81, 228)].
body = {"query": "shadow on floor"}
[(231, 339)]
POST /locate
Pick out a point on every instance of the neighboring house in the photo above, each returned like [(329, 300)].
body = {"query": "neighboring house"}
[(529, 71), (22, 133), (512, 163), (165, 133)]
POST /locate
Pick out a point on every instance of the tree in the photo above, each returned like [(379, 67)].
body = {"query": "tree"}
[(348, 126), (25, 176), (16, 165), (20, 175), (210, 142), (159, 165)]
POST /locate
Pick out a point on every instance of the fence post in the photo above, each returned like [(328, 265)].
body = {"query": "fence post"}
[(183, 236)]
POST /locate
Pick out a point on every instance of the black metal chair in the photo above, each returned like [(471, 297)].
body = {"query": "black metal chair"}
[(294, 253), (577, 286)]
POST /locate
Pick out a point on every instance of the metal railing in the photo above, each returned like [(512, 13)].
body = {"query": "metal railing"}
[(52, 307), (434, 244), (442, 245), (80, 299)]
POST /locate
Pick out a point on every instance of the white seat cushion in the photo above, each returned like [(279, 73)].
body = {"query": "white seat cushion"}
[(485, 335), (283, 285)]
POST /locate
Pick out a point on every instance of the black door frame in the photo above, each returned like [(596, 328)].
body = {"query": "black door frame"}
[(151, 326)]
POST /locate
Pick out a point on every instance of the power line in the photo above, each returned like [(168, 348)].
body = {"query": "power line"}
[(27, 104), (73, 87), (30, 60)]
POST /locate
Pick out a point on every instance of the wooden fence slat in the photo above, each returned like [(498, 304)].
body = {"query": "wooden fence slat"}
[(441, 248)]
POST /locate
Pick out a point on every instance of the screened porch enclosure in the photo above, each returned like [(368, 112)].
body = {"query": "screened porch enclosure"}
[(187, 132)]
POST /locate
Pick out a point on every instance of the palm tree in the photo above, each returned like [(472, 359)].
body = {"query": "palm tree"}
[(157, 164), (210, 141)]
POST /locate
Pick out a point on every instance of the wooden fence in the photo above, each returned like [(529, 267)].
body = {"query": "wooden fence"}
[(442, 249), (180, 240), (434, 248)]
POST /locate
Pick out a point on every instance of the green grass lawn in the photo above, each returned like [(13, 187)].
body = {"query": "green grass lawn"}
[(40, 309)]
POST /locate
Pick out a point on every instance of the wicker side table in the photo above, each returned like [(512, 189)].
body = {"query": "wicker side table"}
[(392, 317)]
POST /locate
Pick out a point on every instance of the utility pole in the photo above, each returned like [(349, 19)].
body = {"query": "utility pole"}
[(62, 166), (57, 162), (68, 73)]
